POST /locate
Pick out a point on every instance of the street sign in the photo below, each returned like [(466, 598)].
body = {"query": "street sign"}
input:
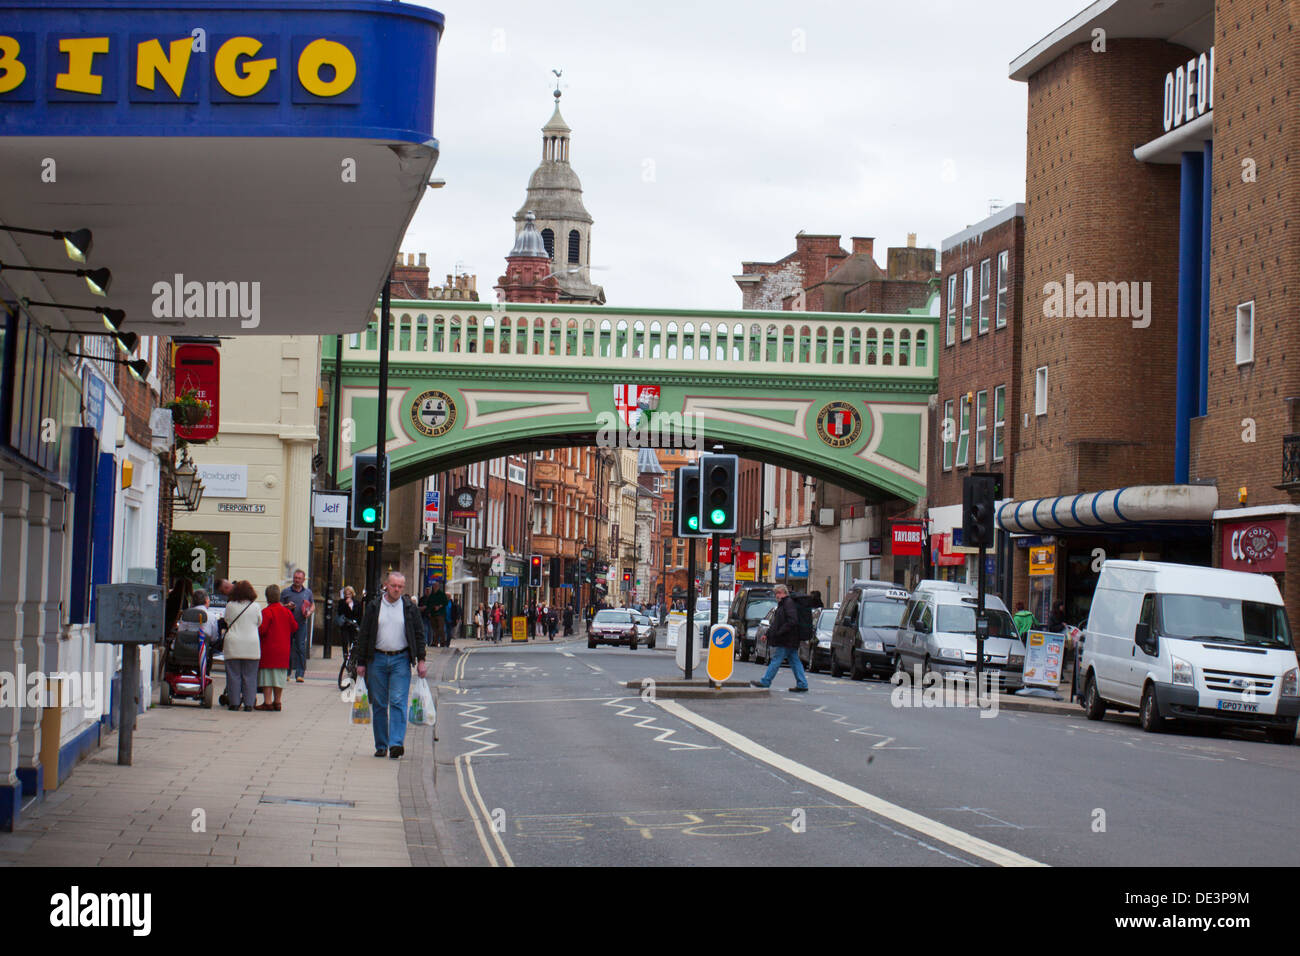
[(722, 652), (330, 511), (128, 614), (431, 506), (519, 628)]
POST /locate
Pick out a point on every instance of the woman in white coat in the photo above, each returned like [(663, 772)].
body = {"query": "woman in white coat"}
[(242, 649)]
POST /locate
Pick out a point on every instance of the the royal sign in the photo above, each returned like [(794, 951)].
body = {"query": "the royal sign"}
[(198, 370)]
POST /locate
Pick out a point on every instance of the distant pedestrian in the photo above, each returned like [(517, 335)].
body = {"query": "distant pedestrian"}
[(478, 623), (1056, 624), (552, 623), (434, 606), (243, 646), (276, 631), (391, 640), (496, 622), (783, 642), (1023, 619), (178, 599), (299, 599), (568, 619), (453, 621)]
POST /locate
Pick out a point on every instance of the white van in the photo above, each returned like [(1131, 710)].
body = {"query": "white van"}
[(1192, 643)]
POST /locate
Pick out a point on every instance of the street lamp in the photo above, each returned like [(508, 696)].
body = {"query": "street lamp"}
[(76, 243)]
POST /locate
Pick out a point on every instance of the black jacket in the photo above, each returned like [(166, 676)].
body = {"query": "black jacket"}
[(784, 629), (365, 649)]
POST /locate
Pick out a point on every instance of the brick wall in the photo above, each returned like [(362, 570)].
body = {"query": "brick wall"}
[(1255, 254), (1095, 211)]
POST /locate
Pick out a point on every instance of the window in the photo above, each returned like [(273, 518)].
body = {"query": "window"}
[(575, 245), (967, 295), (963, 438), (1246, 333), (952, 308), (948, 428), (981, 427), (1004, 286), (985, 282), (999, 421), (548, 239), (1040, 391), (517, 474)]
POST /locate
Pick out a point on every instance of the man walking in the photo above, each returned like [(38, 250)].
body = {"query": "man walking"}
[(391, 640), (435, 609), (299, 599), (783, 642)]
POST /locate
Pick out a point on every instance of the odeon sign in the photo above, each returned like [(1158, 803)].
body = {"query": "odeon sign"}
[(1189, 91), (163, 69)]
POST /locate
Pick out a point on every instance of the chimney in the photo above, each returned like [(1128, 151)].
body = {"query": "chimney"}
[(422, 264), (911, 240), (863, 245)]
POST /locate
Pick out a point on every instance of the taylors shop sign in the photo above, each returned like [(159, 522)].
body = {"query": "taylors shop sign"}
[(907, 540)]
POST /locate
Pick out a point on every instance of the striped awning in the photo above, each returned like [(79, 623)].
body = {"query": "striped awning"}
[(1116, 508)]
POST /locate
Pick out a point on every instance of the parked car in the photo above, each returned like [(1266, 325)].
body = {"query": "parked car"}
[(816, 653), (747, 609), (613, 626), (762, 653), (938, 634), (1198, 644), (864, 632)]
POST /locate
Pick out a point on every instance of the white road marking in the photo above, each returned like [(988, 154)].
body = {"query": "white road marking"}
[(953, 837), (629, 710)]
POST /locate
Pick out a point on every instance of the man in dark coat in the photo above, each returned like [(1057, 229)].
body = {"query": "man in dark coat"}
[(391, 640), (568, 619), (783, 642)]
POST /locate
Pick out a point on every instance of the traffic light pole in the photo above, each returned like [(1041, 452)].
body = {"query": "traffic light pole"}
[(688, 634), (330, 601), (381, 438), (981, 626), (713, 582)]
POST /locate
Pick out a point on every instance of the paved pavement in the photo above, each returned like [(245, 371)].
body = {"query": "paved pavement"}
[(212, 787)]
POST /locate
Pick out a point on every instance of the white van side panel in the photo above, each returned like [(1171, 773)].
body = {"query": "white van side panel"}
[(1110, 645)]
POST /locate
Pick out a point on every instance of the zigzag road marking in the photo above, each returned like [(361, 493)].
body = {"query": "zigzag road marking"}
[(648, 721), (485, 747), (884, 742)]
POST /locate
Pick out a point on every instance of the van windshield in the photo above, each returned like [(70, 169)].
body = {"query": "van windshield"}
[(960, 619), (1225, 620), (757, 608), (884, 613)]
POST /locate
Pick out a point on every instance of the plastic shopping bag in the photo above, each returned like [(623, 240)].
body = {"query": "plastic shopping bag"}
[(360, 703), (421, 709)]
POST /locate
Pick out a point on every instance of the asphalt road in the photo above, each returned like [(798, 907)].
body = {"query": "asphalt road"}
[(544, 759)]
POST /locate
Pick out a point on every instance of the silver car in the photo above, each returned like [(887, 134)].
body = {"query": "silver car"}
[(938, 634)]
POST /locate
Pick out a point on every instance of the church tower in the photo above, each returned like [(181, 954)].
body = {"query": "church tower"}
[(562, 221), (528, 270)]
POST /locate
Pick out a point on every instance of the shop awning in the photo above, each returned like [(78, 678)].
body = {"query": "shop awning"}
[(1116, 508)]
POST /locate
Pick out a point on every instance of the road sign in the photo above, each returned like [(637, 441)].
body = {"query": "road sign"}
[(519, 628), (722, 653)]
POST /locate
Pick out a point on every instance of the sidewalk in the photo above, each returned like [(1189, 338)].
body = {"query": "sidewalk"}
[(215, 788)]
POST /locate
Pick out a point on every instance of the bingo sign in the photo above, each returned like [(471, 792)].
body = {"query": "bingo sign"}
[(722, 653), (1258, 546)]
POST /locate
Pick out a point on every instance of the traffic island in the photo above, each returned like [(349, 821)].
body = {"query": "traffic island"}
[(694, 689)]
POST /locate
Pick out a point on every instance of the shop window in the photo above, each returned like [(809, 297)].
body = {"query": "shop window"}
[(1246, 333)]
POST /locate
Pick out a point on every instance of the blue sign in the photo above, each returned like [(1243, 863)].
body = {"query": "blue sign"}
[(94, 400), (510, 580), (353, 69), (798, 567), (990, 565), (780, 565)]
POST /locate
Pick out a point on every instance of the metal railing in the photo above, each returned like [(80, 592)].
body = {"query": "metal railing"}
[(1290, 460), (754, 341)]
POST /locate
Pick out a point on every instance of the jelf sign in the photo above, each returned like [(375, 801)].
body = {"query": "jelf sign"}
[(345, 69)]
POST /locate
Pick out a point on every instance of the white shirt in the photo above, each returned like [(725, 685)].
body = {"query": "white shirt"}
[(391, 634)]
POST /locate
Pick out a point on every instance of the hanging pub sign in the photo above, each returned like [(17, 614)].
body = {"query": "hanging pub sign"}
[(907, 540), (198, 373)]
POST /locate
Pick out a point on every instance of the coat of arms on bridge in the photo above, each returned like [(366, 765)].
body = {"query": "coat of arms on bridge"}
[(632, 400), (433, 413), (839, 424)]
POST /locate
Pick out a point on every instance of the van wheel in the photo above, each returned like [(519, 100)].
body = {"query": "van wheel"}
[(1094, 708), (164, 694), (1282, 735), (1149, 717), (836, 669), (857, 671)]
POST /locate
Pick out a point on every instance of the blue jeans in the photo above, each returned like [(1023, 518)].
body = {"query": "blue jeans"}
[(298, 649), (388, 681), (780, 654)]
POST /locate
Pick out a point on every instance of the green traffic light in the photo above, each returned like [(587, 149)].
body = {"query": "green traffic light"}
[(693, 522), (368, 515), (718, 516)]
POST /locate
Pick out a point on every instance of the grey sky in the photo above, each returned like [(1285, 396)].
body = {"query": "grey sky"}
[(703, 136)]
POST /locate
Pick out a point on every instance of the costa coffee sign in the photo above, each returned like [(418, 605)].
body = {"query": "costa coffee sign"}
[(907, 540), (1255, 546)]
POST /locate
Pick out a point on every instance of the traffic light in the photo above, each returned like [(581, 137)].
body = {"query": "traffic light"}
[(719, 474), (980, 493), (369, 493), (535, 571), (555, 572), (686, 503), (627, 580)]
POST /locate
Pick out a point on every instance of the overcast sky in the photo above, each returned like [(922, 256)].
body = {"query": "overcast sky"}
[(710, 132)]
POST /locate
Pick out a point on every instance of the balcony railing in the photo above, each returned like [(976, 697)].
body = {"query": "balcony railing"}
[(1290, 461)]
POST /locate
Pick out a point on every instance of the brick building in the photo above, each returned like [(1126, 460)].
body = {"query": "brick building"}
[(1157, 404), (974, 420)]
